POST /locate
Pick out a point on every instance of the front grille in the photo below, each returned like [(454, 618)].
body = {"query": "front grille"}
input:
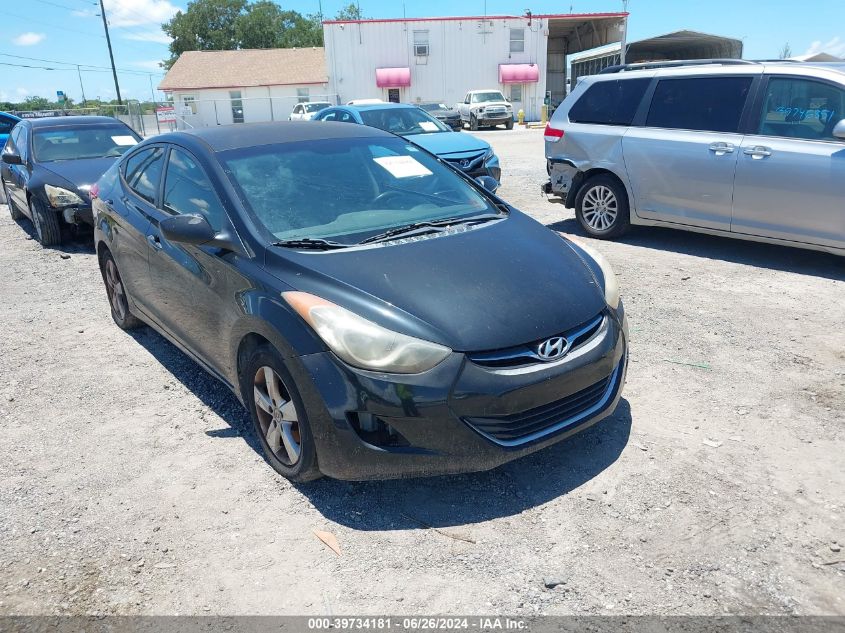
[(469, 164), (495, 110), (527, 426), (524, 355)]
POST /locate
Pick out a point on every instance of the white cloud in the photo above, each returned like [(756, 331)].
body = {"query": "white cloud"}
[(23, 92), (159, 37), (835, 46), (29, 39), (152, 64), (135, 12)]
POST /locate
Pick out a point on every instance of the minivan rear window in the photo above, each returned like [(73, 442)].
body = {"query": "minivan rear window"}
[(612, 102), (711, 104)]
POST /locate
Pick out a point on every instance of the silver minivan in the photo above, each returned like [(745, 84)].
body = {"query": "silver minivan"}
[(753, 150)]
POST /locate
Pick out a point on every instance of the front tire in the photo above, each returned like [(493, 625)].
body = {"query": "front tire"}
[(116, 292), (601, 207), (509, 125), (473, 123), (278, 416), (13, 209), (46, 222)]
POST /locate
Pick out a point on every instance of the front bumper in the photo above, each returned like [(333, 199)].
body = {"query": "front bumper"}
[(78, 215), (447, 417)]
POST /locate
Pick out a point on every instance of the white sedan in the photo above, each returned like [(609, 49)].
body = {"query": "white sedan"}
[(304, 111)]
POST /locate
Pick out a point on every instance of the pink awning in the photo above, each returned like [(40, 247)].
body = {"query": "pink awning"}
[(393, 77), (518, 73)]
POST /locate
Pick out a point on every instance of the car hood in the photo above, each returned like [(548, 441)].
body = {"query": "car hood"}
[(79, 173), (446, 143), (502, 284)]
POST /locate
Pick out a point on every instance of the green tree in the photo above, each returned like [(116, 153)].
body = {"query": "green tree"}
[(206, 25), (351, 11), (216, 25)]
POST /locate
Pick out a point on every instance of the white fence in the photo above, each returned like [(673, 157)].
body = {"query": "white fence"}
[(195, 113)]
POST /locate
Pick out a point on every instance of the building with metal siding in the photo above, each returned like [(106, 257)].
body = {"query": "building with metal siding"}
[(440, 59)]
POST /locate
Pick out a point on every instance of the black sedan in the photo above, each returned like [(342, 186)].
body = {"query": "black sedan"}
[(378, 313), (444, 114), (50, 164)]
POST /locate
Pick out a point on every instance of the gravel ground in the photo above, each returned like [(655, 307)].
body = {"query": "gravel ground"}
[(131, 484)]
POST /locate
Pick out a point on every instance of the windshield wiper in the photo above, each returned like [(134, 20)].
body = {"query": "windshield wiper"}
[(313, 243), (436, 225)]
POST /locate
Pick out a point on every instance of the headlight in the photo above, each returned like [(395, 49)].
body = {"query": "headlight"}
[(59, 197), (363, 343), (611, 283), (488, 155)]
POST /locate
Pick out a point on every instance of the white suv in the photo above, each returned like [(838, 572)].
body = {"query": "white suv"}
[(753, 150)]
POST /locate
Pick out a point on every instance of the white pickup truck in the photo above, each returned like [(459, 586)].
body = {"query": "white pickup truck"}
[(485, 107)]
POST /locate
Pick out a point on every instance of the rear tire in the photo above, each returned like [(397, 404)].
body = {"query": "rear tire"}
[(116, 293), (601, 207), (46, 222), (13, 209), (278, 415)]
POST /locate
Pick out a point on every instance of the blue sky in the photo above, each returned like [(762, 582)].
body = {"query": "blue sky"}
[(70, 31)]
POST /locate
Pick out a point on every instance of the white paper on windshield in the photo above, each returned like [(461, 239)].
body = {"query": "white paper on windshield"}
[(428, 126), (403, 166), (123, 140)]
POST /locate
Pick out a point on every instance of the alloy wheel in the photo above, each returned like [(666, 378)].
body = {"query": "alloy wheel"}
[(114, 289), (600, 208), (277, 416)]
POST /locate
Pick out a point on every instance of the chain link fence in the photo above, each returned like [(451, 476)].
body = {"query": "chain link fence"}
[(131, 113)]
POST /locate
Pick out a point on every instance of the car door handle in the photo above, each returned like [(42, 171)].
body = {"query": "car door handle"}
[(720, 149), (154, 241), (758, 152)]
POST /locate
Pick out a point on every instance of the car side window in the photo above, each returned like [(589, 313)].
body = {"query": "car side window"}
[(297, 109), (345, 117), (331, 116), (610, 102), (22, 142), (711, 104), (12, 142), (187, 190), (801, 108), (143, 172), (6, 124)]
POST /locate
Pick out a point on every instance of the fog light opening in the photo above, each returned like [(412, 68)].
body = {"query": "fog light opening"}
[(375, 431)]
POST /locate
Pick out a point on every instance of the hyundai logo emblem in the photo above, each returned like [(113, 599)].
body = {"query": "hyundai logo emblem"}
[(553, 348)]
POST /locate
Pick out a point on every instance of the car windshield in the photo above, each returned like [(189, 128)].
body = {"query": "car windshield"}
[(346, 190), (402, 121), (66, 143), (431, 107), (315, 107), (481, 97)]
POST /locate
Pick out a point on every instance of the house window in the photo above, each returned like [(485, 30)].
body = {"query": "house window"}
[(516, 93), (302, 95), (237, 106), (189, 105), (421, 43), (517, 40)]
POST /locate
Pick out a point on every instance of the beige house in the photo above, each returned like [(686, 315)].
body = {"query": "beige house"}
[(244, 86)]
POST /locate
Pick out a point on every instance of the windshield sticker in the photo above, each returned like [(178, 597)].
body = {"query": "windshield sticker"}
[(403, 166), (428, 126), (123, 140)]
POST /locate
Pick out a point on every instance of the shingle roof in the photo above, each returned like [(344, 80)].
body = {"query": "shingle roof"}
[(241, 68)]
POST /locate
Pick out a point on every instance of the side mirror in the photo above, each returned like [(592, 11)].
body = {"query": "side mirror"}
[(839, 129), (11, 158), (488, 182), (187, 229)]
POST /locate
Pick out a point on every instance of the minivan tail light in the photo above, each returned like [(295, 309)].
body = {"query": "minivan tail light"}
[(94, 191), (552, 134)]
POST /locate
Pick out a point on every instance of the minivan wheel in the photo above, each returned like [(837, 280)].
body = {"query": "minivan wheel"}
[(13, 209), (602, 207), (278, 416), (46, 223), (116, 292)]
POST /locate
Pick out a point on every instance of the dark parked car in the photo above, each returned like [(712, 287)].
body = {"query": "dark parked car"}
[(466, 152), (378, 313), (444, 114), (50, 164)]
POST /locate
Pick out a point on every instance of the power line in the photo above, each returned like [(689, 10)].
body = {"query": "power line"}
[(74, 67), (55, 26), (84, 66)]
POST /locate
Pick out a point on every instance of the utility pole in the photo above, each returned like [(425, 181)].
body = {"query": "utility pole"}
[(111, 56), (623, 50), (81, 87), (152, 92)]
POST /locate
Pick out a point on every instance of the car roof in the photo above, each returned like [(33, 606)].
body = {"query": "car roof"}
[(72, 121), (11, 116), (703, 68), (377, 106), (226, 137)]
